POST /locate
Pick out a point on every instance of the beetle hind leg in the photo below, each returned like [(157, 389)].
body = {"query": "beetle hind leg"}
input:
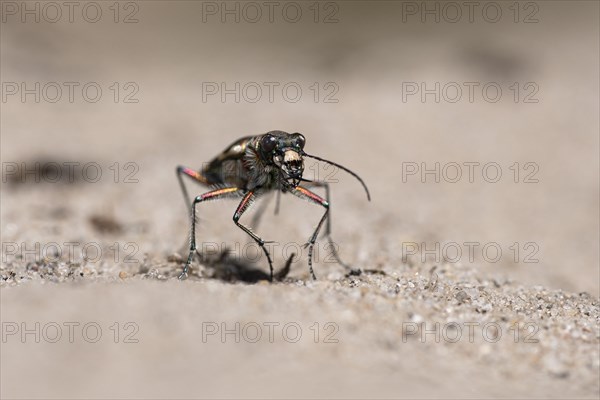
[(197, 176)]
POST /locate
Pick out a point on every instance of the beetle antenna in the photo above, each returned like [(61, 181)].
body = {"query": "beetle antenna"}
[(345, 169)]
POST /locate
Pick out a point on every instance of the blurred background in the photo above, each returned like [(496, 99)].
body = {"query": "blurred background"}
[(388, 89), (180, 81)]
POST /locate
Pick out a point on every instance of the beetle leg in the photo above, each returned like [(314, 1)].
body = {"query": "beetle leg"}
[(304, 193), (257, 217), (278, 201), (263, 206), (212, 195), (332, 245), (196, 176), (242, 207)]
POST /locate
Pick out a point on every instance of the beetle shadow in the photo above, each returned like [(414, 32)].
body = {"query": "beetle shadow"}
[(224, 267)]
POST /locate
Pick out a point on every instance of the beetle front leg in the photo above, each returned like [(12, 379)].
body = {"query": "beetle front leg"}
[(327, 232), (212, 195), (304, 193), (242, 207)]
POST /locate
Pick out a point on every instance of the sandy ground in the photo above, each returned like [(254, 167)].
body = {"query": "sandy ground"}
[(415, 323)]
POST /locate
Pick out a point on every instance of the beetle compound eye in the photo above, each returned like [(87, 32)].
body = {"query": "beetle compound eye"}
[(300, 139), (268, 143)]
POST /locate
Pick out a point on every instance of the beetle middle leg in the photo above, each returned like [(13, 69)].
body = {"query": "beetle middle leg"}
[(242, 207), (263, 206), (257, 217), (212, 195)]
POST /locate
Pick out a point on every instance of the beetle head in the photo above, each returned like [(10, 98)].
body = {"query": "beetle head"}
[(284, 150)]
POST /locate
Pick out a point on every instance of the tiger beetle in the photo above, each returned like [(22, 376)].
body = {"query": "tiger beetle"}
[(260, 164)]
